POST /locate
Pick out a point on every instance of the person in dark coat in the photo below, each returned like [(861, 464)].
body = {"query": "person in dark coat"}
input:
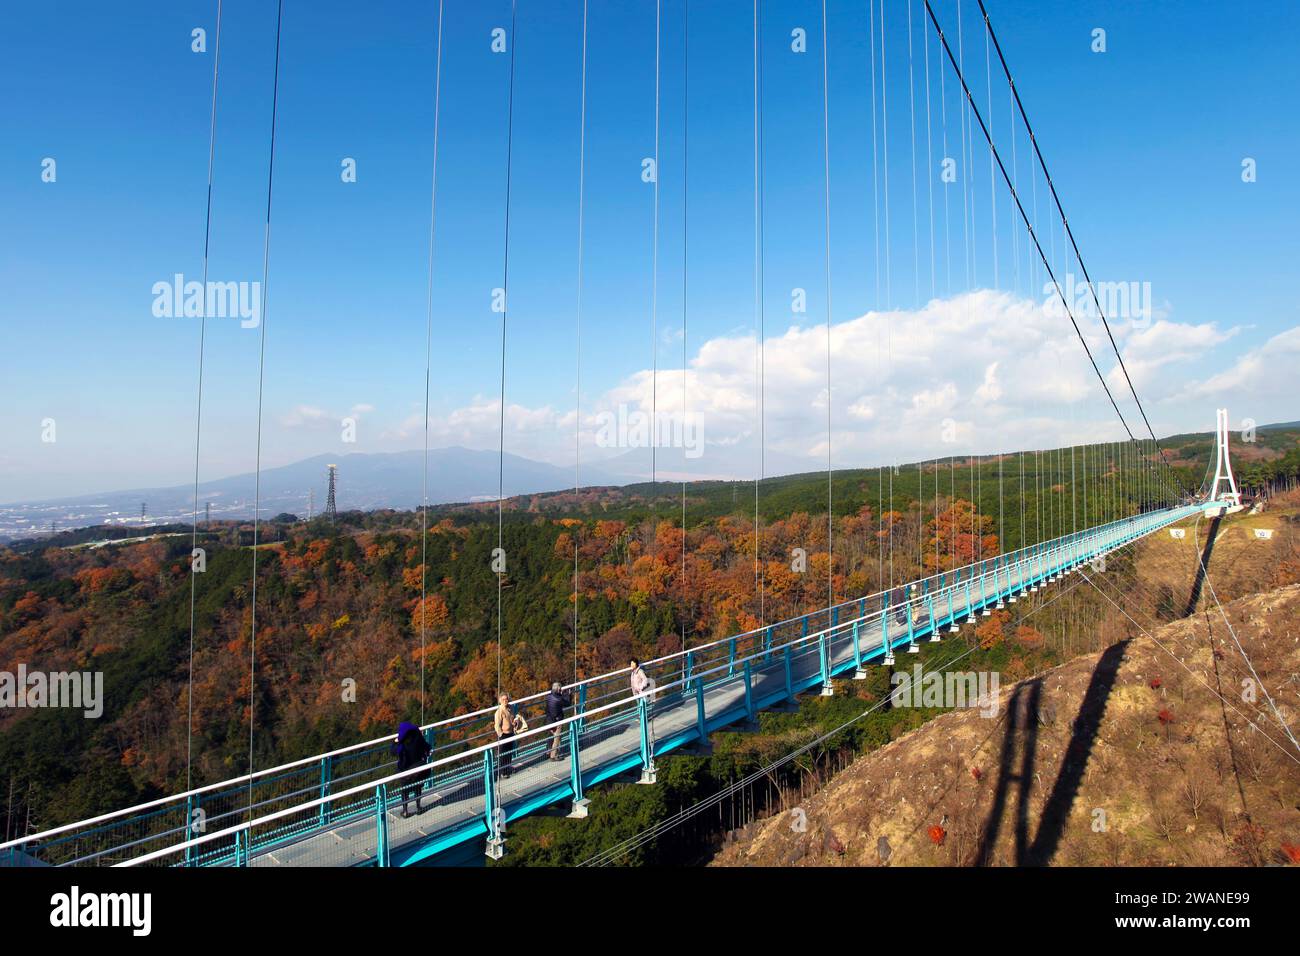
[(557, 701), (411, 750)]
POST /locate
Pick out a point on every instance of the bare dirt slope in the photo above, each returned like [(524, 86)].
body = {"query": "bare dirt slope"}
[(1150, 753)]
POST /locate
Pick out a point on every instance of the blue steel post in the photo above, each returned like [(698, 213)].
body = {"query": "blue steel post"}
[(489, 795), (326, 772), (789, 676), (575, 764), (381, 825), (857, 648), (582, 706), (700, 724), (189, 829), (825, 664), (647, 747), (749, 693), (731, 658)]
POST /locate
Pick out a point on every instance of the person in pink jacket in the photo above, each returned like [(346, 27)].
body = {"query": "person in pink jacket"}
[(640, 680)]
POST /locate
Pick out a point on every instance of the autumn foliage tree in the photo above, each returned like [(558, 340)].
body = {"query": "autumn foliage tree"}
[(959, 536)]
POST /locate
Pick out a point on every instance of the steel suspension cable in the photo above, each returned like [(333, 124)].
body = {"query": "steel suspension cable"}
[(686, 133), (1019, 206), (988, 26), (198, 414), (261, 369), (505, 314), (654, 266), (582, 191), (826, 158), (428, 358), (760, 351)]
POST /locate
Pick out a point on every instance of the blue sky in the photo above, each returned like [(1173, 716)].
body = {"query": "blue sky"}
[(1145, 142)]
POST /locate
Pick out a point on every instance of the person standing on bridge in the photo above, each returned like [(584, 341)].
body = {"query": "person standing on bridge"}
[(643, 685), (556, 703), (639, 679), (507, 723), (411, 750)]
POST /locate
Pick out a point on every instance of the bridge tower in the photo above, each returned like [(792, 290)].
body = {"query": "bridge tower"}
[(331, 511), (1222, 467)]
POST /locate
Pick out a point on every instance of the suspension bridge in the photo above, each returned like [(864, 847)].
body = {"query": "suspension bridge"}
[(341, 808)]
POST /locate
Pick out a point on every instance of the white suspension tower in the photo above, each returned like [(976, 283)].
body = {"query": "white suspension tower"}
[(1222, 468)]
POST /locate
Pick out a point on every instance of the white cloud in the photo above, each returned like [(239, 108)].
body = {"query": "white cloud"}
[(312, 417), (306, 416), (1161, 344), (1264, 371), (1008, 372)]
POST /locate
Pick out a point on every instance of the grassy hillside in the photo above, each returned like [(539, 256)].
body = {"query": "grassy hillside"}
[(1146, 753)]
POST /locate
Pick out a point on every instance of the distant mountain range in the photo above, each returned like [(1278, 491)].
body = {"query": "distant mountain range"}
[(365, 482)]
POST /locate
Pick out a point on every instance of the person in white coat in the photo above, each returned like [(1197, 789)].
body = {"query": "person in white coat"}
[(639, 680)]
